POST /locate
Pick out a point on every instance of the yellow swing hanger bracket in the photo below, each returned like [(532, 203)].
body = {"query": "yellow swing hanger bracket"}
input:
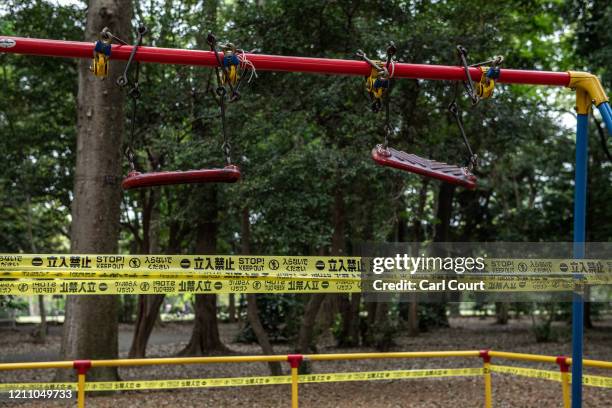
[(101, 54), (588, 89), (376, 89), (486, 85), (101, 58)]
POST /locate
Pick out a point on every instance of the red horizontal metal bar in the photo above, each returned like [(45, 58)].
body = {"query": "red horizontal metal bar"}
[(73, 49)]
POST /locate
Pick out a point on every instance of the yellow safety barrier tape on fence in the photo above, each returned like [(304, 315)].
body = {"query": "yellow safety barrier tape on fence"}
[(192, 266), (222, 267), (179, 263), (139, 274), (245, 381), (590, 380), (175, 286), (27, 287)]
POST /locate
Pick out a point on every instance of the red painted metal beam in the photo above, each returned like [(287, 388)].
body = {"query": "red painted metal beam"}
[(73, 49)]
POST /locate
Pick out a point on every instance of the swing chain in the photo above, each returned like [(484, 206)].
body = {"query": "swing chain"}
[(226, 146), (391, 50), (122, 80), (469, 84), (453, 108), (134, 93), (222, 93)]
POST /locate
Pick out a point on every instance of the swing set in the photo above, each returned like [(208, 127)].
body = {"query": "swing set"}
[(230, 71), (231, 64)]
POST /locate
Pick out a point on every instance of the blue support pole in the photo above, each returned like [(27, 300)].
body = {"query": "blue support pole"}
[(580, 190), (606, 114)]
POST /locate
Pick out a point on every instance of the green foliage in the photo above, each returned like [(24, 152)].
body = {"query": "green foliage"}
[(11, 303), (37, 122), (280, 317)]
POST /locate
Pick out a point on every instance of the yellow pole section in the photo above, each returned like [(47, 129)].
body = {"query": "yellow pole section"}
[(81, 391), (416, 354), (564, 367), (565, 383), (185, 360), (294, 387), (487, 384), (524, 357), (548, 359), (594, 363), (32, 366)]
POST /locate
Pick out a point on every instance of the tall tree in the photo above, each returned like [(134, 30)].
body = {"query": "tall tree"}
[(205, 337), (252, 309), (91, 325)]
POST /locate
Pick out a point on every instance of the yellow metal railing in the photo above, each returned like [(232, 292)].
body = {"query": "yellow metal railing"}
[(82, 366)]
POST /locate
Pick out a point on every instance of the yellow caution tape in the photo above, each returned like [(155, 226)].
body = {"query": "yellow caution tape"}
[(527, 372), (494, 282), (139, 274), (589, 380), (558, 282), (5, 387), (587, 267), (175, 274), (193, 266), (26, 287), (245, 381), (174, 286), (596, 381), (179, 263)]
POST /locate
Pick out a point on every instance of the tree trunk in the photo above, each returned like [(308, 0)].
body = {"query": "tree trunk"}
[(369, 334), (313, 308), (588, 321), (305, 335), (260, 333), (205, 337), (231, 309), (412, 311), (332, 301), (90, 327), (148, 311), (383, 335), (252, 309), (348, 305), (148, 305), (444, 212), (502, 312), (349, 308), (442, 234), (42, 332), (41, 337)]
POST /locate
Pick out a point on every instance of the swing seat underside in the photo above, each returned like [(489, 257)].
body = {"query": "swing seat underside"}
[(228, 174), (448, 173)]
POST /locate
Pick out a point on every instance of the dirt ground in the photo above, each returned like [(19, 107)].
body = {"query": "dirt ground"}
[(464, 334)]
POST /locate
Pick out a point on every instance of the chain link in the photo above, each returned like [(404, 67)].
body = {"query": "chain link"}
[(134, 93), (453, 108), (221, 92)]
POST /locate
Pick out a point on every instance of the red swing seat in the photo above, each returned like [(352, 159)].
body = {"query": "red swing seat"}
[(228, 174), (448, 173)]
